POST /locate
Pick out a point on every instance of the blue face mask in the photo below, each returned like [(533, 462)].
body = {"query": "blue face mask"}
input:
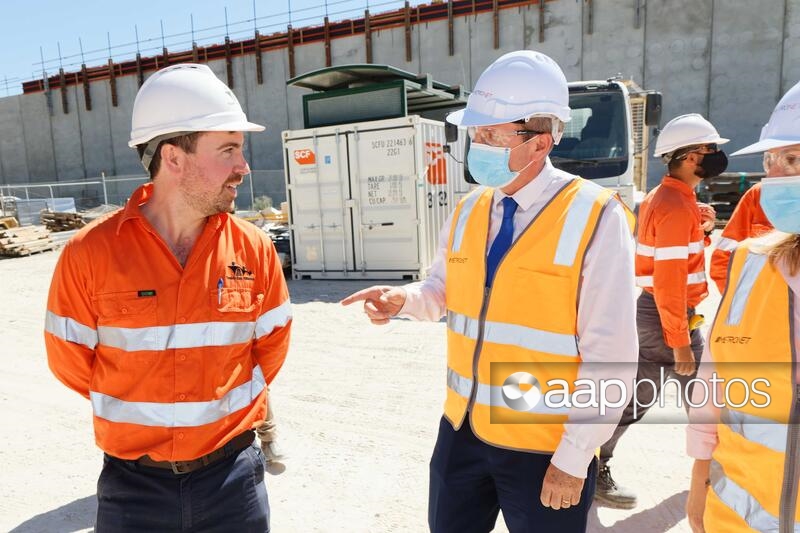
[(489, 164), (780, 200)]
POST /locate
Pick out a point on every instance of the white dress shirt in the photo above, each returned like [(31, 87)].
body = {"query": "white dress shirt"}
[(606, 307)]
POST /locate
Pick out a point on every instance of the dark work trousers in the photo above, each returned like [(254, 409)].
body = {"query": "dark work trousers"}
[(654, 354), (471, 481), (225, 496)]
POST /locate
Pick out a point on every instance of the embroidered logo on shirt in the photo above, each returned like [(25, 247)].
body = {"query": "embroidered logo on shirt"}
[(240, 272)]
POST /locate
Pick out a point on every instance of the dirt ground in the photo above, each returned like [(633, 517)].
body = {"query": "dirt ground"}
[(357, 406)]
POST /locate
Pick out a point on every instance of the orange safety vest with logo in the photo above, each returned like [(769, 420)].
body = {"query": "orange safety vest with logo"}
[(527, 321), (755, 466), (175, 359)]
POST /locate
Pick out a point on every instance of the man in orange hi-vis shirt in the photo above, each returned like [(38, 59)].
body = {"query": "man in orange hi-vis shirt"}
[(172, 317), (670, 268), (748, 220)]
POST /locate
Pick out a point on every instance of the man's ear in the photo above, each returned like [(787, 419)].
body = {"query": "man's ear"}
[(172, 157), (543, 144)]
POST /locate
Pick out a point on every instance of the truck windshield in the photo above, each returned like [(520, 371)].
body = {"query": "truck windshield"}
[(595, 141)]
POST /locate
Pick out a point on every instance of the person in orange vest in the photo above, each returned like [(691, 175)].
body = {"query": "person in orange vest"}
[(172, 317), (670, 268), (513, 259), (748, 220), (743, 431)]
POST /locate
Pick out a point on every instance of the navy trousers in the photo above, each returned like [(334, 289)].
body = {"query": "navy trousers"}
[(471, 481), (228, 495)]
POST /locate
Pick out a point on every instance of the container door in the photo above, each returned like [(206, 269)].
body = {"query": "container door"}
[(386, 221), (318, 190)]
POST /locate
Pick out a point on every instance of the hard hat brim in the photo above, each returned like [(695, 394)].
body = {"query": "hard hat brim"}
[(466, 117), (766, 144), (227, 126)]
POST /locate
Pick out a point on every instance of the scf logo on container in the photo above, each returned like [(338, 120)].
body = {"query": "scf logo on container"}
[(305, 156)]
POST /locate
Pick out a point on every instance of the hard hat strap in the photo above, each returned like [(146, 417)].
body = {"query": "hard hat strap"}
[(153, 144)]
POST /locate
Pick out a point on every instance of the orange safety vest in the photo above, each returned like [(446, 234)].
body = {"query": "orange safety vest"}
[(755, 467), (174, 359), (527, 321)]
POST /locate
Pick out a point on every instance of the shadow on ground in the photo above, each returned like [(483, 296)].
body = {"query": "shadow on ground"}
[(75, 516), (657, 519)]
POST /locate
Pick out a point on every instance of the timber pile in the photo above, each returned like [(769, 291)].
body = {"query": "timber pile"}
[(27, 240), (723, 192), (62, 221)]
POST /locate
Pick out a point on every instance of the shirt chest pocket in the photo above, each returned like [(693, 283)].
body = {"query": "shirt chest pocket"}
[(233, 300), (127, 309)]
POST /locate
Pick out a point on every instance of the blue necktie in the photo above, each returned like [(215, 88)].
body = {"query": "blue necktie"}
[(502, 242)]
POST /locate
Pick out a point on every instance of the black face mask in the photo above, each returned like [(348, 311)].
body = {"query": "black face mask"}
[(712, 165)]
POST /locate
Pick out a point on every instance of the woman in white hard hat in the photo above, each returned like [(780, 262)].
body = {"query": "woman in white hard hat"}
[(515, 257), (746, 442)]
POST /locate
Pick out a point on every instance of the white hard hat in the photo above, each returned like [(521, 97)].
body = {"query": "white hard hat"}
[(783, 128), (517, 86), (185, 98), (686, 130)]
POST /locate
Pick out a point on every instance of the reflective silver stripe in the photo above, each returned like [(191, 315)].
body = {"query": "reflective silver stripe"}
[(70, 330), (742, 502), (492, 395), (753, 264), (181, 414), (274, 318), (691, 279), (176, 336), (463, 216), (515, 335), (575, 224), (763, 431), (670, 252), (726, 244)]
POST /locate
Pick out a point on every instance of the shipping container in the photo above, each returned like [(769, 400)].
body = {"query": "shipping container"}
[(368, 200)]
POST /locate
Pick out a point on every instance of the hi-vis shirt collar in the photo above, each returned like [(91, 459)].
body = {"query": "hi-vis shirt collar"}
[(140, 197), (674, 183), (527, 196)]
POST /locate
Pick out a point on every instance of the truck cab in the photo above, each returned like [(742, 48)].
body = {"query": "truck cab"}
[(606, 140)]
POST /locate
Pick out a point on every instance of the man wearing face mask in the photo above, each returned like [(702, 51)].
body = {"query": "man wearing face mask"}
[(535, 275), (670, 268)]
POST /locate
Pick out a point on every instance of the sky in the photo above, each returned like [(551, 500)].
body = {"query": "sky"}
[(32, 29)]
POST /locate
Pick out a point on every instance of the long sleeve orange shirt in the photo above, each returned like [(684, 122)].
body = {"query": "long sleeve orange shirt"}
[(175, 359), (670, 260), (748, 220)]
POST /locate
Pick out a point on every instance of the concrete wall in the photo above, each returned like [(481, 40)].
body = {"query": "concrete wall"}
[(726, 59)]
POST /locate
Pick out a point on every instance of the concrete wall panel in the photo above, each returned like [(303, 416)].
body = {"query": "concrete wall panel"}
[(562, 35), (40, 153), (67, 138), (615, 46), (126, 160), (96, 139), (13, 160), (741, 103)]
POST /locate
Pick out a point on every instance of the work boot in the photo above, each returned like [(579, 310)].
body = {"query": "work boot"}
[(609, 494), (272, 452)]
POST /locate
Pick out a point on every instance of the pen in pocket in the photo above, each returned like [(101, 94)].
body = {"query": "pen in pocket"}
[(219, 291)]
